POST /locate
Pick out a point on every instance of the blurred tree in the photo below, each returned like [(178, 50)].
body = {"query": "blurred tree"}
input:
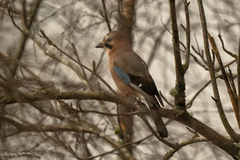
[(57, 100)]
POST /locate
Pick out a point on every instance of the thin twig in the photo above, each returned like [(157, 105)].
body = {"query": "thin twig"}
[(105, 16), (223, 47), (105, 113), (226, 65), (124, 145), (194, 139), (189, 104), (231, 79), (78, 58), (165, 26), (165, 99)]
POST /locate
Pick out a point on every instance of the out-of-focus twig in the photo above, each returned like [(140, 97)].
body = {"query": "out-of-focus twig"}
[(124, 145), (105, 16), (28, 20)]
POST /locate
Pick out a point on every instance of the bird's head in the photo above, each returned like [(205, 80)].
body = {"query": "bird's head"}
[(112, 40)]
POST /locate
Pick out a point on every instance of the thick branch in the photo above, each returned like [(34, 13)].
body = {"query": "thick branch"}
[(227, 145), (180, 82), (51, 94)]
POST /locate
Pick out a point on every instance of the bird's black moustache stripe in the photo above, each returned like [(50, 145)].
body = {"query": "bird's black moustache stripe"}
[(108, 46)]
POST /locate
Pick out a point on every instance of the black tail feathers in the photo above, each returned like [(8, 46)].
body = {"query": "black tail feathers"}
[(161, 128)]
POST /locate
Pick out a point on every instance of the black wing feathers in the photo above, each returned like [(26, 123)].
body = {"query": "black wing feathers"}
[(147, 85), (143, 82)]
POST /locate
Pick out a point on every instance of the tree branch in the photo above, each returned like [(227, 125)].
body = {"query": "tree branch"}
[(186, 64), (179, 101), (231, 93), (223, 117)]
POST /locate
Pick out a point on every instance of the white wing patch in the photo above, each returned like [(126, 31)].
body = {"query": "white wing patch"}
[(145, 97)]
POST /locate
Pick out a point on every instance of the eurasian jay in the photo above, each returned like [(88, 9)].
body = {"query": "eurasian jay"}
[(131, 76)]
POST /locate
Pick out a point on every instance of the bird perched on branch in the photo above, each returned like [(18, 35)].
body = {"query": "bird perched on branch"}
[(131, 76)]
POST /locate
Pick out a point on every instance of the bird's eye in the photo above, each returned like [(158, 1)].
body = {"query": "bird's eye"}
[(109, 40)]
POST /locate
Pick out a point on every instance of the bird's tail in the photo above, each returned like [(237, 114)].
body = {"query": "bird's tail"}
[(151, 104), (161, 128)]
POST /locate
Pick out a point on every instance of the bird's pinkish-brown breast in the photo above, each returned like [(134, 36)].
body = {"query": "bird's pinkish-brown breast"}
[(123, 88)]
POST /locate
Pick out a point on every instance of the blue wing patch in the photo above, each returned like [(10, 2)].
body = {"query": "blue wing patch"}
[(122, 75)]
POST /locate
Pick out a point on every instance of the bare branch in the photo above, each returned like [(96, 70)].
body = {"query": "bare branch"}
[(223, 117), (223, 47), (180, 81), (232, 95), (188, 40)]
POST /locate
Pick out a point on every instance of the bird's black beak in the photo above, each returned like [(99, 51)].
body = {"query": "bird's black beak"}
[(100, 45)]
